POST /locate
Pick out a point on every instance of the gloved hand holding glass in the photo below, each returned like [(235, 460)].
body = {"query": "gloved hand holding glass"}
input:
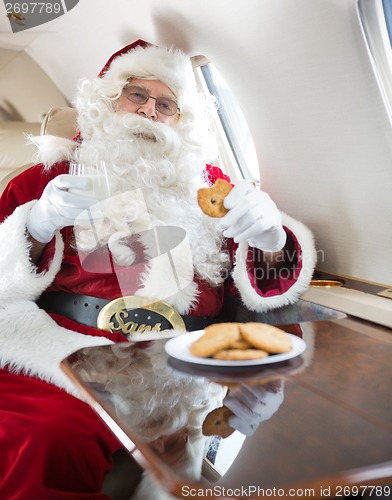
[(65, 198), (253, 217)]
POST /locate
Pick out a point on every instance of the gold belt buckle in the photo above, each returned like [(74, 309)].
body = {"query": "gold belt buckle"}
[(135, 314)]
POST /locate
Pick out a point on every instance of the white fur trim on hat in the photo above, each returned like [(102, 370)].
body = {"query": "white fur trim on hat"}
[(170, 66)]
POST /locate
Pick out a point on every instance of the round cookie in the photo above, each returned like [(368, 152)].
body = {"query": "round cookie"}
[(215, 338), (211, 199), (216, 423), (240, 344), (240, 354), (266, 337)]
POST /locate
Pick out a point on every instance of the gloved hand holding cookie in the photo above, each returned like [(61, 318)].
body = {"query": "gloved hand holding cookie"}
[(253, 217), (247, 214)]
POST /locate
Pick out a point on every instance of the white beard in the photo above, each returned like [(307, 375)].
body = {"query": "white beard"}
[(154, 176)]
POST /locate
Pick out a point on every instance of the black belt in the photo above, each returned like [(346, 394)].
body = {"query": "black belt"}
[(85, 309)]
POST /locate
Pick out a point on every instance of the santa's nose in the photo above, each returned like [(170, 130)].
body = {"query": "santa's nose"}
[(148, 109)]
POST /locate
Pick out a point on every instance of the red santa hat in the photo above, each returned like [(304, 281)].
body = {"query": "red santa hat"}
[(144, 60)]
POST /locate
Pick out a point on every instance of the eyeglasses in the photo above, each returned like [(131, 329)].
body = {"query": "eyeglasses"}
[(140, 96)]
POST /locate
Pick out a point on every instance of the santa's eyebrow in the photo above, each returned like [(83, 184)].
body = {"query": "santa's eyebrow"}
[(144, 87)]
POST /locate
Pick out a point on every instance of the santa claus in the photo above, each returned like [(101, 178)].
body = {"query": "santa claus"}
[(143, 117)]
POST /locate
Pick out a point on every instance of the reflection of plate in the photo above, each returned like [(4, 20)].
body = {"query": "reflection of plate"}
[(178, 347)]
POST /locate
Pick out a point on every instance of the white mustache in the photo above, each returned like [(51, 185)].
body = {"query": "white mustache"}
[(131, 127)]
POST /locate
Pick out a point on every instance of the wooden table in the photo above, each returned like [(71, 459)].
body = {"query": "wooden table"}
[(334, 427)]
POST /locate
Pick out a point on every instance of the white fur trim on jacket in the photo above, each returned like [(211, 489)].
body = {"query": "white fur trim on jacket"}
[(19, 279), (249, 295), (30, 341), (33, 344), (52, 149)]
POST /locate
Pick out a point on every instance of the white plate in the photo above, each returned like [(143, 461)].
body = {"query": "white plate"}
[(178, 347)]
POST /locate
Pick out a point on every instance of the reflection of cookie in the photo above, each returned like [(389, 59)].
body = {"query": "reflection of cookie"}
[(266, 337), (211, 199), (240, 354), (216, 423), (215, 338)]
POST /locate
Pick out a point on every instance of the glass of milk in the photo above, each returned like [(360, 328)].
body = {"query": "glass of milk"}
[(98, 183)]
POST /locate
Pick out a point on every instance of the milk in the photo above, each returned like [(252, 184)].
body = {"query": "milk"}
[(97, 181), (96, 188)]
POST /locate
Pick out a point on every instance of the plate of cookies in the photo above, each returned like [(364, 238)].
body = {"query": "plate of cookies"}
[(236, 344)]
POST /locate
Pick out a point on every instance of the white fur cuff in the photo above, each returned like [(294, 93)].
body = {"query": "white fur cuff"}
[(256, 302), (18, 276)]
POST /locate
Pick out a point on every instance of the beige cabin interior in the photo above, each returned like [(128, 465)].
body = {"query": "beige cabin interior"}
[(302, 74)]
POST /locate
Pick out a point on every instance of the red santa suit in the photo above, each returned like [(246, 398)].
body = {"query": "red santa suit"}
[(53, 445)]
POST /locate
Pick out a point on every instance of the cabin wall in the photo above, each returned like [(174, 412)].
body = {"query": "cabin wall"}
[(325, 141), (26, 91)]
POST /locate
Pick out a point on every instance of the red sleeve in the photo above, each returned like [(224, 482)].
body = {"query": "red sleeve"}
[(276, 281), (27, 186)]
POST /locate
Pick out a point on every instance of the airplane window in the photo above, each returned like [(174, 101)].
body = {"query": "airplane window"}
[(237, 154), (376, 22), (388, 17)]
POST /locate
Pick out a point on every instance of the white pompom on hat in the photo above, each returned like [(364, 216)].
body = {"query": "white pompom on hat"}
[(144, 60)]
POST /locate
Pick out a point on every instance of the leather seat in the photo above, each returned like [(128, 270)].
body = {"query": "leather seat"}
[(16, 153)]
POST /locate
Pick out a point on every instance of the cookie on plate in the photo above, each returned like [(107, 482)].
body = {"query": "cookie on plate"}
[(211, 199), (266, 337), (240, 354), (215, 338), (240, 344), (216, 423)]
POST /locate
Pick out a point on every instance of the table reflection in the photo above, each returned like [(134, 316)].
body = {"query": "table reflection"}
[(160, 406), (169, 409), (328, 403)]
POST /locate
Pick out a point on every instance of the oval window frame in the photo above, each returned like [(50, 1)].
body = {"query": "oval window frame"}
[(236, 149)]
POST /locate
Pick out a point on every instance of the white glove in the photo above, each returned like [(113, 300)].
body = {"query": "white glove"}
[(253, 217), (58, 207), (252, 405)]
